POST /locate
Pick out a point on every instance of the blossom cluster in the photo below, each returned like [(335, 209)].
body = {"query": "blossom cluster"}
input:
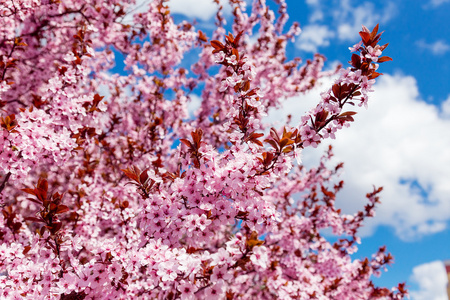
[(111, 188)]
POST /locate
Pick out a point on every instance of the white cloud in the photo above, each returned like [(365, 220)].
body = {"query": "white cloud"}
[(437, 48), (431, 279), (350, 18), (313, 37), (193, 105), (398, 143), (445, 108), (317, 12), (199, 9), (139, 7), (436, 3)]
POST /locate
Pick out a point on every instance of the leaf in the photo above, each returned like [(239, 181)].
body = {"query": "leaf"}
[(202, 37), (236, 40), (33, 219), (42, 184), (30, 191), (229, 38), (285, 142), (328, 193), (347, 116), (186, 142), (384, 58), (254, 138), (143, 176), (217, 45), (337, 90), (130, 174), (16, 226), (287, 149), (348, 113), (374, 75), (274, 134), (26, 249), (197, 137), (365, 37), (62, 209), (272, 143), (235, 52), (356, 60), (374, 32), (42, 230), (56, 227), (35, 201), (384, 47)]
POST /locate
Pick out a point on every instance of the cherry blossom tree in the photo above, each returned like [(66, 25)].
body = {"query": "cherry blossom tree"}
[(111, 188)]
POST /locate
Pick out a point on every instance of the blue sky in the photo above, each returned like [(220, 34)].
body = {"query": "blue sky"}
[(402, 142)]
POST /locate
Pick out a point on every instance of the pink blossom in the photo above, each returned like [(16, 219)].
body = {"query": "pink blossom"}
[(231, 59), (220, 56), (187, 290), (373, 53), (142, 177), (234, 79)]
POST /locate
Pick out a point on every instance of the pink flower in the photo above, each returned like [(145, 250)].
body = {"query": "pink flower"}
[(167, 271), (374, 53), (232, 60), (216, 291), (219, 57), (356, 47), (220, 273), (187, 290), (259, 256), (202, 222), (115, 271), (234, 79), (223, 85)]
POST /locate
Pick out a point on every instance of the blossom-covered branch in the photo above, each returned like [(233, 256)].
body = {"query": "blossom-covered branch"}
[(130, 171)]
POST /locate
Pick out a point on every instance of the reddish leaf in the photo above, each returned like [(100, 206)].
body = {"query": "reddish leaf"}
[(285, 142), (26, 249), (56, 227), (229, 38), (30, 191), (235, 52), (236, 40), (16, 226), (130, 174), (327, 193), (202, 37), (42, 230), (337, 90), (42, 184), (348, 113), (356, 60), (384, 47), (197, 137), (33, 219), (143, 176), (62, 209), (365, 37), (274, 134), (186, 142), (272, 143), (218, 46), (374, 32), (287, 149), (384, 58)]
